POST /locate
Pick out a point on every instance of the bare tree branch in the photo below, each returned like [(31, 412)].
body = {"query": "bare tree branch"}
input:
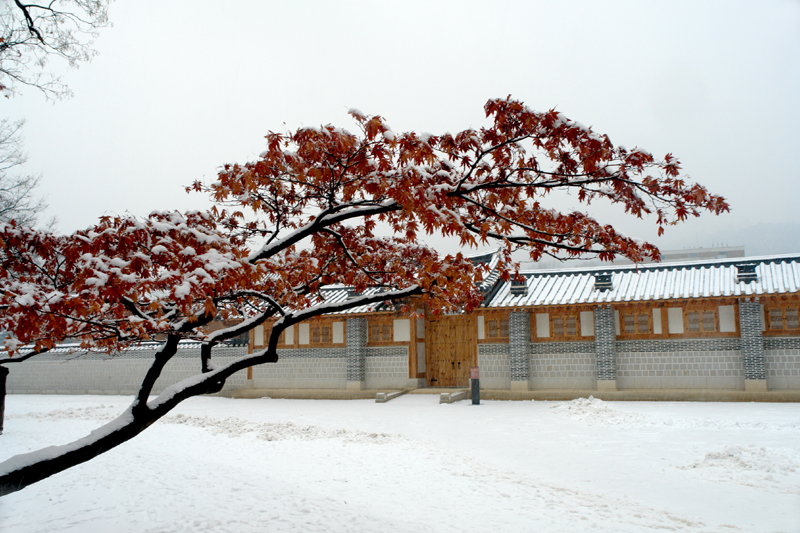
[(32, 34)]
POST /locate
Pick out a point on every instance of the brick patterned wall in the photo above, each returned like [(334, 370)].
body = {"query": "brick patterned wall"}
[(386, 367), (782, 361), (304, 368), (563, 365), (92, 373), (519, 338), (494, 363), (356, 348), (323, 368), (551, 348), (782, 343), (752, 343), (604, 339), (664, 369), (679, 345)]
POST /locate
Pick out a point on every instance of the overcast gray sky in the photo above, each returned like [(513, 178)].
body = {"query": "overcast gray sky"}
[(180, 88)]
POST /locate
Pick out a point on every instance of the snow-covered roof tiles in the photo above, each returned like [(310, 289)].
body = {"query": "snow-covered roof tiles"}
[(340, 293), (702, 279)]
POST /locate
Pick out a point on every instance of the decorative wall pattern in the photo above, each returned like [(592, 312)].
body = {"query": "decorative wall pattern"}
[(547, 348), (679, 345), (604, 339), (519, 332), (752, 343), (356, 348)]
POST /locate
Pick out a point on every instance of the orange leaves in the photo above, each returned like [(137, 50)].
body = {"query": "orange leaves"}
[(672, 166), (121, 281), (311, 204)]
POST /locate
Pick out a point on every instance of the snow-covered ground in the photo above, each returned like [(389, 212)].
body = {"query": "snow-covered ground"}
[(412, 465)]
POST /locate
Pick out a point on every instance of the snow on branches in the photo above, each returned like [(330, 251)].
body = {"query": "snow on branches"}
[(128, 280), (305, 216), (124, 280), (315, 198), (478, 185)]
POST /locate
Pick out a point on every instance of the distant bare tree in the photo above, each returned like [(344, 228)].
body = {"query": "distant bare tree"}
[(17, 201), (32, 34)]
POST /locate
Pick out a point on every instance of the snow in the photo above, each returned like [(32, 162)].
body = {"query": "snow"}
[(183, 290), (413, 465)]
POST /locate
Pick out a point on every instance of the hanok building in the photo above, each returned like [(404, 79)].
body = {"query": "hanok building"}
[(728, 324)]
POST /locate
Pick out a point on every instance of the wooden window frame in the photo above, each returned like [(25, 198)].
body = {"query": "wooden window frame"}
[(636, 311), (707, 306), (382, 321), (560, 313), (318, 326), (702, 317), (267, 329), (784, 305), (281, 338), (498, 317), (267, 333), (698, 306)]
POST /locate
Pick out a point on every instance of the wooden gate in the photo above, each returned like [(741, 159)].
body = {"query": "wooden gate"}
[(450, 350)]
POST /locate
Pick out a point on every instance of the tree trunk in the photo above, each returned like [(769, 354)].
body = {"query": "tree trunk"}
[(3, 374)]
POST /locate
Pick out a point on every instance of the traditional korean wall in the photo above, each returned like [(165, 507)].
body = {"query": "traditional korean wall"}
[(386, 367), (326, 368), (641, 364), (680, 364), (494, 363), (312, 368), (563, 365), (714, 361), (782, 357), (92, 373)]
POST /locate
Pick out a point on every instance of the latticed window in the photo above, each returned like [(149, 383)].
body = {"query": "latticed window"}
[(693, 321), (709, 324), (380, 332), (701, 322), (780, 319), (643, 323), (629, 324), (565, 326), (558, 326), (776, 318), (635, 323), (571, 326), (497, 328), (792, 318), (321, 334)]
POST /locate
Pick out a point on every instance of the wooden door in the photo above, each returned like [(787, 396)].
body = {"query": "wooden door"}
[(450, 350)]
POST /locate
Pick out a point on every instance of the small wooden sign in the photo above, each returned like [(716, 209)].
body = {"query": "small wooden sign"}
[(473, 372)]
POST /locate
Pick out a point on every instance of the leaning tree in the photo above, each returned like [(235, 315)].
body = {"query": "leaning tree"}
[(320, 206)]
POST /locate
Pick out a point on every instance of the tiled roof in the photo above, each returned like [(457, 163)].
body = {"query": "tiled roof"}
[(340, 293), (702, 279)]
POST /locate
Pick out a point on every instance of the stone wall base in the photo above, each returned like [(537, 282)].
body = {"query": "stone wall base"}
[(755, 385), (652, 395), (606, 384), (356, 385), (520, 385)]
